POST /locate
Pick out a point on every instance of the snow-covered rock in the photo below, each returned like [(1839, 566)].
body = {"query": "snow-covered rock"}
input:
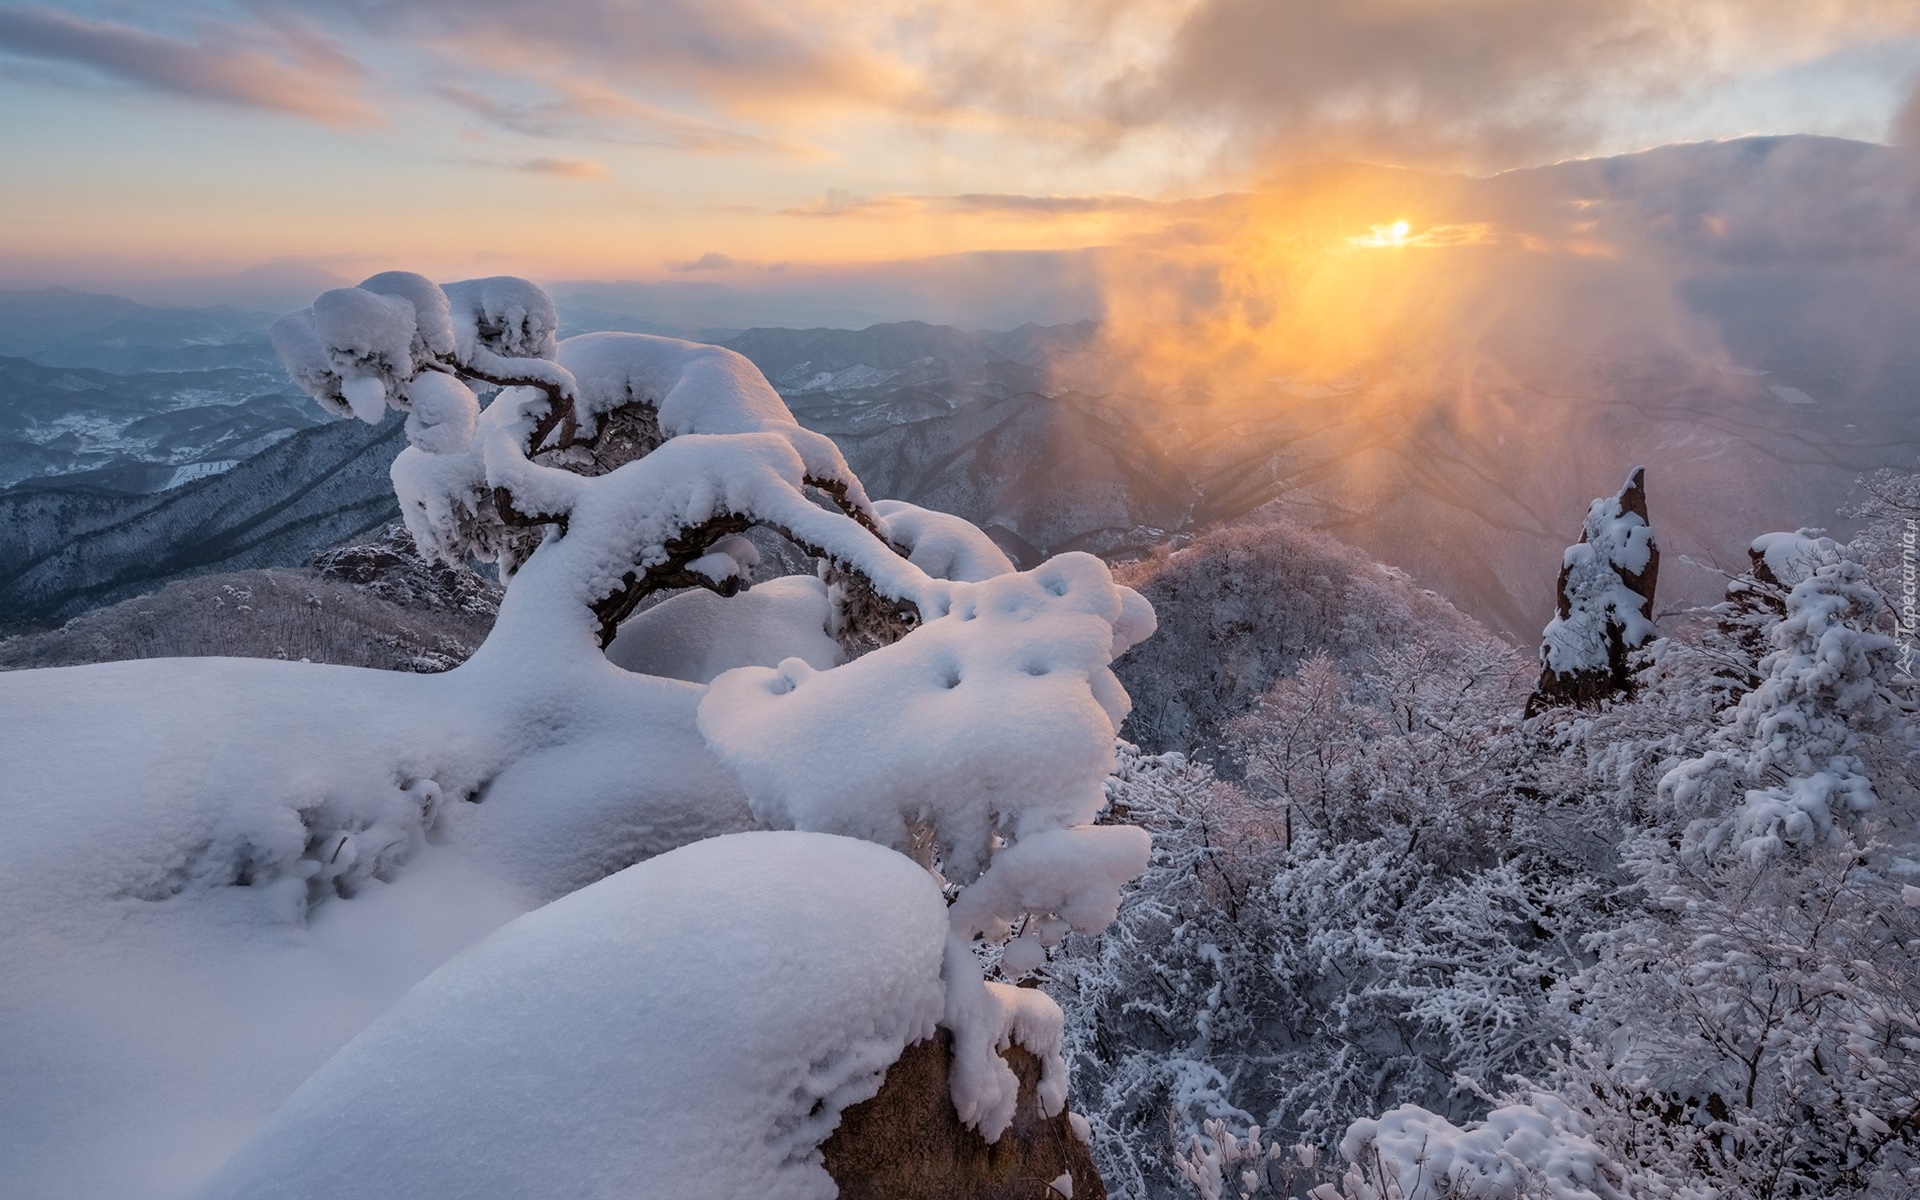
[(1605, 606), (692, 1026)]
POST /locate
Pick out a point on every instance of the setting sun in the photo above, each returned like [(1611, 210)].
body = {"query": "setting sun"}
[(1396, 234)]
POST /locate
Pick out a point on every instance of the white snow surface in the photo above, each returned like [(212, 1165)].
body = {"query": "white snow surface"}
[(216, 872), (151, 1011), (698, 635), (500, 314), (1507, 1156), (995, 717), (1794, 556), (356, 349), (444, 413), (1792, 734), (942, 545), (692, 1026)]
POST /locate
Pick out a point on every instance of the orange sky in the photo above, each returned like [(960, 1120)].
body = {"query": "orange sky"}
[(671, 138)]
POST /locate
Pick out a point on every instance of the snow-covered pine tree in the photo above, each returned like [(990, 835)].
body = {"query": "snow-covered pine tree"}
[(1604, 606), (917, 693)]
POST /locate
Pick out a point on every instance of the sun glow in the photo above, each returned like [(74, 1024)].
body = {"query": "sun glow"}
[(1395, 234)]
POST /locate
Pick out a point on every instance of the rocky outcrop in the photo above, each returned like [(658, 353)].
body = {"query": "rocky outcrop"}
[(1605, 603), (388, 565), (907, 1143)]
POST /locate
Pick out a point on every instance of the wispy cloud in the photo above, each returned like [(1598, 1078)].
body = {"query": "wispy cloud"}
[(280, 69), (563, 168), (593, 113), (726, 53), (712, 260), (837, 203), (1455, 84)]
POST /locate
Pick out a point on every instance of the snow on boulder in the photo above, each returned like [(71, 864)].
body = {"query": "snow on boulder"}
[(1605, 602), (692, 1026), (1785, 559)]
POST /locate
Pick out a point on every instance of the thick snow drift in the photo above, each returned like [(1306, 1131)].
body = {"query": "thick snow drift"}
[(978, 743), (692, 1026), (697, 635), (182, 834)]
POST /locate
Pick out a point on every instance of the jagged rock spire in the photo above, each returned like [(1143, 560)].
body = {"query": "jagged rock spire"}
[(1605, 604)]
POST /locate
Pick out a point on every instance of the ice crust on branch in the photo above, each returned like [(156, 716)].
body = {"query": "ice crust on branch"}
[(1605, 601), (692, 1026)]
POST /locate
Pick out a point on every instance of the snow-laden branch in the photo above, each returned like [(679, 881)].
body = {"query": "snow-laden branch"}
[(491, 485)]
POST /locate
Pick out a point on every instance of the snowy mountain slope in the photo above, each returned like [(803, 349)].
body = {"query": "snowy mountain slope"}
[(1791, 255), (1243, 606), (1040, 473), (65, 328), (1477, 498), (67, 551), (138, 432), (101, 392), (795, 359)]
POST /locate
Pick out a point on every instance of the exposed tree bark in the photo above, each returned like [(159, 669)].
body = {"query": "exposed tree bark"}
[(907, 1143)]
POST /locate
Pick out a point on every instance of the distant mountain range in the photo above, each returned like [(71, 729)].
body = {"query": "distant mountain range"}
[(143, 443), (990, 426), (64, 551)]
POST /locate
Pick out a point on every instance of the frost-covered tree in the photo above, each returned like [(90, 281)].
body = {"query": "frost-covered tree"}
[(1604, 606), (1755, 1025), (913, 692), (1375, 912), (1660, 947)]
